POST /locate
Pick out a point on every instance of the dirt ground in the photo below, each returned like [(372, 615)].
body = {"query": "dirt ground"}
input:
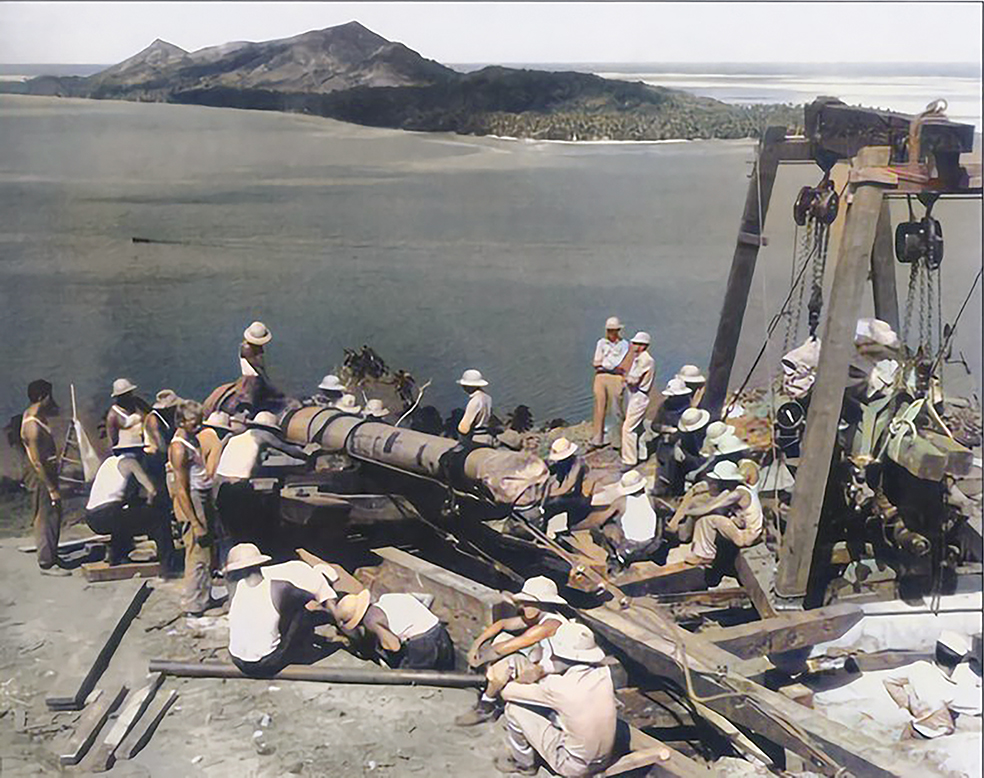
[(49, 639)]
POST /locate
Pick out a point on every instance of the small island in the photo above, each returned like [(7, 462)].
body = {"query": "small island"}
[(352, 74)]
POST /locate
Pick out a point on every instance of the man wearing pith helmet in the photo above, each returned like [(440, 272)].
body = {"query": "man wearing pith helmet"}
[(474, 424), (639, 382), (609, 366)]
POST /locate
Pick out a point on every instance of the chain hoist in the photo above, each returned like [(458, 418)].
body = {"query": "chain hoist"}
[(816, 209), (919, 243)]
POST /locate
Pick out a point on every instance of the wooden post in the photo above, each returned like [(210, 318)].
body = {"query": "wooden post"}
[(883, 269), (853, 260), (742, 270)]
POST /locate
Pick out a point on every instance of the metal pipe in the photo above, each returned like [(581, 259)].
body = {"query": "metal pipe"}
[(325, 674)]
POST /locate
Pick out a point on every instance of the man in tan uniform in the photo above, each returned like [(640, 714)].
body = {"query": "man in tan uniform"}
[(609, 361), (42, 476), (639, 382), (575, 735)]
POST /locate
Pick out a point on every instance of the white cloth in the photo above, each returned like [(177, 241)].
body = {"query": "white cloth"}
[(638, 521), (751, 517), (109, 485), (246, 367), (642, 373), (240, 455), (407, 616), (799, 368), (609, 355)]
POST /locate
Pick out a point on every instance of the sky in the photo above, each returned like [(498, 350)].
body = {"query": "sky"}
[(500, 32)]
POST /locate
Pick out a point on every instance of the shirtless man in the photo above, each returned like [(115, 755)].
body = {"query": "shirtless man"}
[(519, 650), (42, 454)]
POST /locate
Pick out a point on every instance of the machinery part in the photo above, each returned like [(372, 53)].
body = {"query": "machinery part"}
[(920, 240), (789, 426), (910, 542), (325, 674)]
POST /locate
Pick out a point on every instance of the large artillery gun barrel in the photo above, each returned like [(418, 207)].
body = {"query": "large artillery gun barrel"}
[(507, 476)]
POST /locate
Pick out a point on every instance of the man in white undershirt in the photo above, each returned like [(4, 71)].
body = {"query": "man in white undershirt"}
[(608, 387), (631, 531), (638, 382)]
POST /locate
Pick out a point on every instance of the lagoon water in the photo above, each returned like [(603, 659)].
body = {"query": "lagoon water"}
[(441, 252)]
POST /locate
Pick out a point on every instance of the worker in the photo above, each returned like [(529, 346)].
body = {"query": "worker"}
[(329, 393), (271, 614), (114, 506), (474, 424), (610, 364), (568, 718), (639, 382), (514, 647), (721, 442), (677, 398), (567, 489), (253, 387), (400, 628), (685, 460), (348, 405), (125, 403), (734, 512), (41, 475), (695, 381), (192, 497), (241, 510), (212, 438), (159, 424), (629, 529), (376, 410)]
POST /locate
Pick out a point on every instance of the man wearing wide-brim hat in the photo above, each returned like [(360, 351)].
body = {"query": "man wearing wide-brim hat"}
[(477, 418), (160, 424), (402, 630), (126, 402), (254, 387), (733, 511), (330, 392), (639, 383), (270, 617), (695, 381), (515, 647), (375, 409), (241, 511), (685, 459), (568, 489), (630, 528), (611, 361), (567, 719)]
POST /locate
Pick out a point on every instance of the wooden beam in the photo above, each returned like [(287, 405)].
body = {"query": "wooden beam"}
[(138, 738), (797, 629), (853, 259), (742, 270), (103, 758), (102, 660), (89, 725), (647, 751), (98, 572), (70, 545), (755, 567), (883, 269)]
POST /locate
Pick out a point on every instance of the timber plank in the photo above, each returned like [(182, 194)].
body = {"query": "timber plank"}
[(77, 702), (647, 751), (103, 758), (346, 583), (97, 572), (754, 567), (90, 724), (797, 629), (138, 738)]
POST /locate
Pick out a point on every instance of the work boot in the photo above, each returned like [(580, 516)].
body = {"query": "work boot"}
[(482, 712), (55, 571), (506, 764)]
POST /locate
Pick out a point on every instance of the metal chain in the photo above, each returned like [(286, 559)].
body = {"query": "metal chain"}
[(923, 320), (909, 300), (801, 255), (930, 303)]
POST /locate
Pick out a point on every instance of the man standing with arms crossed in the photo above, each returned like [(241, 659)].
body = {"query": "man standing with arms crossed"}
[(39, 444), (609, 365), (638, 381)]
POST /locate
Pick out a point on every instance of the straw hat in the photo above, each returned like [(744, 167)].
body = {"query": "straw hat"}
[(375, 409), (166, 398), (726, 471), (575, 642), (691, 374), (730, 444), (561, 449), (244, 555), (257, 334), (266, 420), (218, 420), (676, 387), (642, 338), (121, 386), (693, 419), (472, 377), (351, 608), (749, 470), (538, 589), (348, 404), (612, 323), (717, 429), (632, 482), (330, 383)]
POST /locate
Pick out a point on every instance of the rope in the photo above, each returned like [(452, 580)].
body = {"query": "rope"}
[(953, 327)]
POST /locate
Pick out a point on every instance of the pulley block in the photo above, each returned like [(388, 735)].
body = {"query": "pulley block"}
[(820, 202), (920, 240)]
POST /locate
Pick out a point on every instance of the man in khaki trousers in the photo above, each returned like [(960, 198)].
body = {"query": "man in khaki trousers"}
[(609, 358), (639, 382)]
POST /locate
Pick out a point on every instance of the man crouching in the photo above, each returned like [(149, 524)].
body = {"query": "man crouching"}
[(568, 718)]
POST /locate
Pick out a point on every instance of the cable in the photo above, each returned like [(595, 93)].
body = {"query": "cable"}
[(953, 327)]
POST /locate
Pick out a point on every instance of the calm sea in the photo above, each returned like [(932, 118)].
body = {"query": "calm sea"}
[(441, 252)]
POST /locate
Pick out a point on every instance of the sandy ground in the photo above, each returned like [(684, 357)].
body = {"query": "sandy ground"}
[(49, 638)]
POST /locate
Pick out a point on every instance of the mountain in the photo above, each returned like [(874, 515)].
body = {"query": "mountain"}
[(350, 73)]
